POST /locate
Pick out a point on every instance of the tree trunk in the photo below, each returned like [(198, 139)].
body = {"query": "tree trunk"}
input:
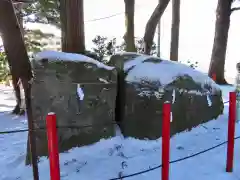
[(129, 20), (20, 65), (63, 19), (72, 23), (18, 109), (18, 10), (15, 48), (159, 39), (13, 41), (220, 40), (175, 30), (152, 25)]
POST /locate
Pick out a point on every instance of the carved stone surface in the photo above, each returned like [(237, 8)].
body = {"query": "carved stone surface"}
[(55, 90)]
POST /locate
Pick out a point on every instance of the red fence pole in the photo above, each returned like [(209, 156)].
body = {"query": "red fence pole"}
[(231, 130), (166, 140), (53, 146)]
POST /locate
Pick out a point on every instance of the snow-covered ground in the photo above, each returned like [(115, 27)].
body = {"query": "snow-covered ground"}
[(117, 156)]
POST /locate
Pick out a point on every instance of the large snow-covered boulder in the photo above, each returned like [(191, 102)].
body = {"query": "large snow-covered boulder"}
[(80, 90), (147, 82)]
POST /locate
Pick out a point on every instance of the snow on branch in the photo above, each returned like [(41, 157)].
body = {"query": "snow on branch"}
[(235, 9)]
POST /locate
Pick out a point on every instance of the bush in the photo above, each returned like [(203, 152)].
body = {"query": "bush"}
[(105, 47), (4, 68)]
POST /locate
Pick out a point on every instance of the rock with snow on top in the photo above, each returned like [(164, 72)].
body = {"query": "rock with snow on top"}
[(146, 82), (80, 90)]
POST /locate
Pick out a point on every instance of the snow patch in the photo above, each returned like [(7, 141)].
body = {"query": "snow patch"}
[(103, 80), (80, 92), (209, 101), (165, 72), (118, 155), (135, 62), (61, 56), (173, 96)]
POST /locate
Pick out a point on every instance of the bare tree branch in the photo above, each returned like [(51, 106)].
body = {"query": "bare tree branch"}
[(235, 9), (22, 1)]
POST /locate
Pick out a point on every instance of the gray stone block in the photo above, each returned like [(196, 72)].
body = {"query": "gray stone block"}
[(147, 82), (54, 89)]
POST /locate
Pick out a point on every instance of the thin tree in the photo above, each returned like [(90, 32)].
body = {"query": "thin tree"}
[(222, 25), (175, 30), (159, 37), (152, 25), (72, 24), (129, 20)]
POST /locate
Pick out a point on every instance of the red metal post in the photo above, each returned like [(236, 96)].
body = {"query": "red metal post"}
[(231, 131), (166, 140), (53, 146)]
